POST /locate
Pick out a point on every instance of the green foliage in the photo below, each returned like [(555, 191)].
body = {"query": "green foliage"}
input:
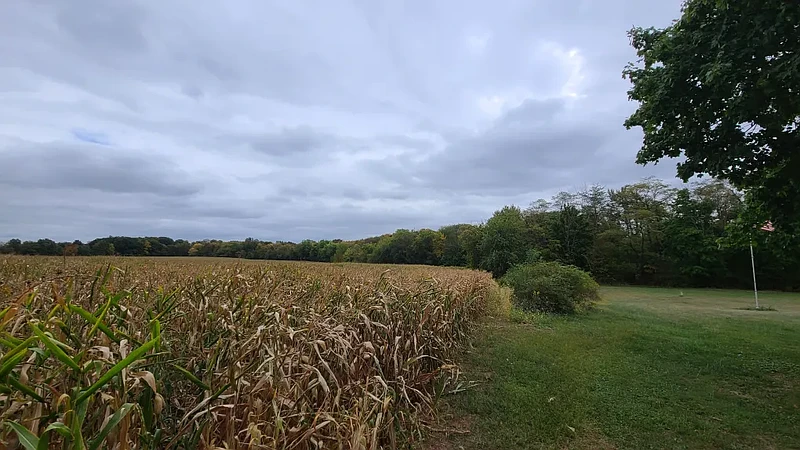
[(643, 233), (503, 243), (428, 247), (653, 371), (551, 287), (470, 238), (641, 210), (690, 242), (572, 236), (721, 87), (453, 253), (528, 317), (88, 370)]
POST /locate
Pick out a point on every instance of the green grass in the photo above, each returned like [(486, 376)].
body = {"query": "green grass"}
[(649, 368)]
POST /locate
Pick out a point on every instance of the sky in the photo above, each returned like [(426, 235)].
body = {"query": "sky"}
[(287, 120)]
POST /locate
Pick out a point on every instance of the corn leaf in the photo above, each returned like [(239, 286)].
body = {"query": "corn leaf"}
[(146, 406), (60, 428), (12, 339), (89, 317), (21, 347), (155, 326), (112, 372), (120, 414), (100, 318), (79, 415), (9, 365), (25, 389), (191, 377), (4, 312), (51, 345), (26, 438)]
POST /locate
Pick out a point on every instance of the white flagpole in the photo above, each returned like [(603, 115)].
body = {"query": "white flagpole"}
[(753, 263)]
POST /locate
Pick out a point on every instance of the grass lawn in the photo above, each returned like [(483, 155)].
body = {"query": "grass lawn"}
[(650, 368)]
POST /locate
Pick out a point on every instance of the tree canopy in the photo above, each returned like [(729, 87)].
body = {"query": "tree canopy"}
[(721, 87), (643, 233)]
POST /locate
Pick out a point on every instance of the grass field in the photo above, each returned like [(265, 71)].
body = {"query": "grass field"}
[(648, 369)]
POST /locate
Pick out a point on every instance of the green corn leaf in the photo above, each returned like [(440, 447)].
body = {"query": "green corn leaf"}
[(112, 372), (156, 331), (113, 422), (60, 428), (53, 312), (51, 345), (97, 277), (100, 318), (9, 365), (64, 346), (26, 438), (4, 312), (191, 377), (89, 317), (68, 333), (114, 301), (147, 407), (30, 297), (156, 438), (79, 415), (7, 343), (12, 339), (19, 348), (44, 442), (9, 338), (25, 389), (168, 303)]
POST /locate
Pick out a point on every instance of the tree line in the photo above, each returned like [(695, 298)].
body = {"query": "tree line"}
[(643, 233)]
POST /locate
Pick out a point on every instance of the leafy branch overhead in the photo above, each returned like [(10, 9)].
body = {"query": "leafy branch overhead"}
[(721, 88)]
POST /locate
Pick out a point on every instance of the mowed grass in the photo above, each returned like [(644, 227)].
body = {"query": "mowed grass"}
[(649, 368)]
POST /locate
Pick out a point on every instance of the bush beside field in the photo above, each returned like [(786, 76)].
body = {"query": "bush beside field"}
[(177, 353), (551, 287)]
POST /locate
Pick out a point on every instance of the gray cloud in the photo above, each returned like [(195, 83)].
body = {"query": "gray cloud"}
[(279, 120), (290, 141), (104, 28), (85, 166), (536, 146)]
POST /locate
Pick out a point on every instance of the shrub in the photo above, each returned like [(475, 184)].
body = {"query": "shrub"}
[(551, 287)]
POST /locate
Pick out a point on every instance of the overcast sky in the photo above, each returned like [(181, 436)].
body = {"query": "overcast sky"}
[(307, 119)]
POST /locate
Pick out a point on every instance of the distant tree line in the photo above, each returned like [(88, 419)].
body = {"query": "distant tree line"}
[(644, 233), (116, 245)]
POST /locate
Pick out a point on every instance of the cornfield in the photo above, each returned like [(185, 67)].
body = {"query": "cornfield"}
[(181, 353)]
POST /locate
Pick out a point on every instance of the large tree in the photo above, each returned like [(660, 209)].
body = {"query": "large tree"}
[(721, 87), (503, 243), (641, 209)]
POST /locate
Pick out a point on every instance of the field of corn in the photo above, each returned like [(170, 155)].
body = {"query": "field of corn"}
[(185, 353)]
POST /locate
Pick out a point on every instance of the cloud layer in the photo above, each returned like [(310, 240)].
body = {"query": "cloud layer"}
[(285, 121)]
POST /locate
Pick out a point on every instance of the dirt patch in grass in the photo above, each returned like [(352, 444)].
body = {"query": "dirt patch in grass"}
[(442, 435), (590, 438)]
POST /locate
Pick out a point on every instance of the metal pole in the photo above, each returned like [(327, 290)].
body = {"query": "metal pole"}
[(753, 263)]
